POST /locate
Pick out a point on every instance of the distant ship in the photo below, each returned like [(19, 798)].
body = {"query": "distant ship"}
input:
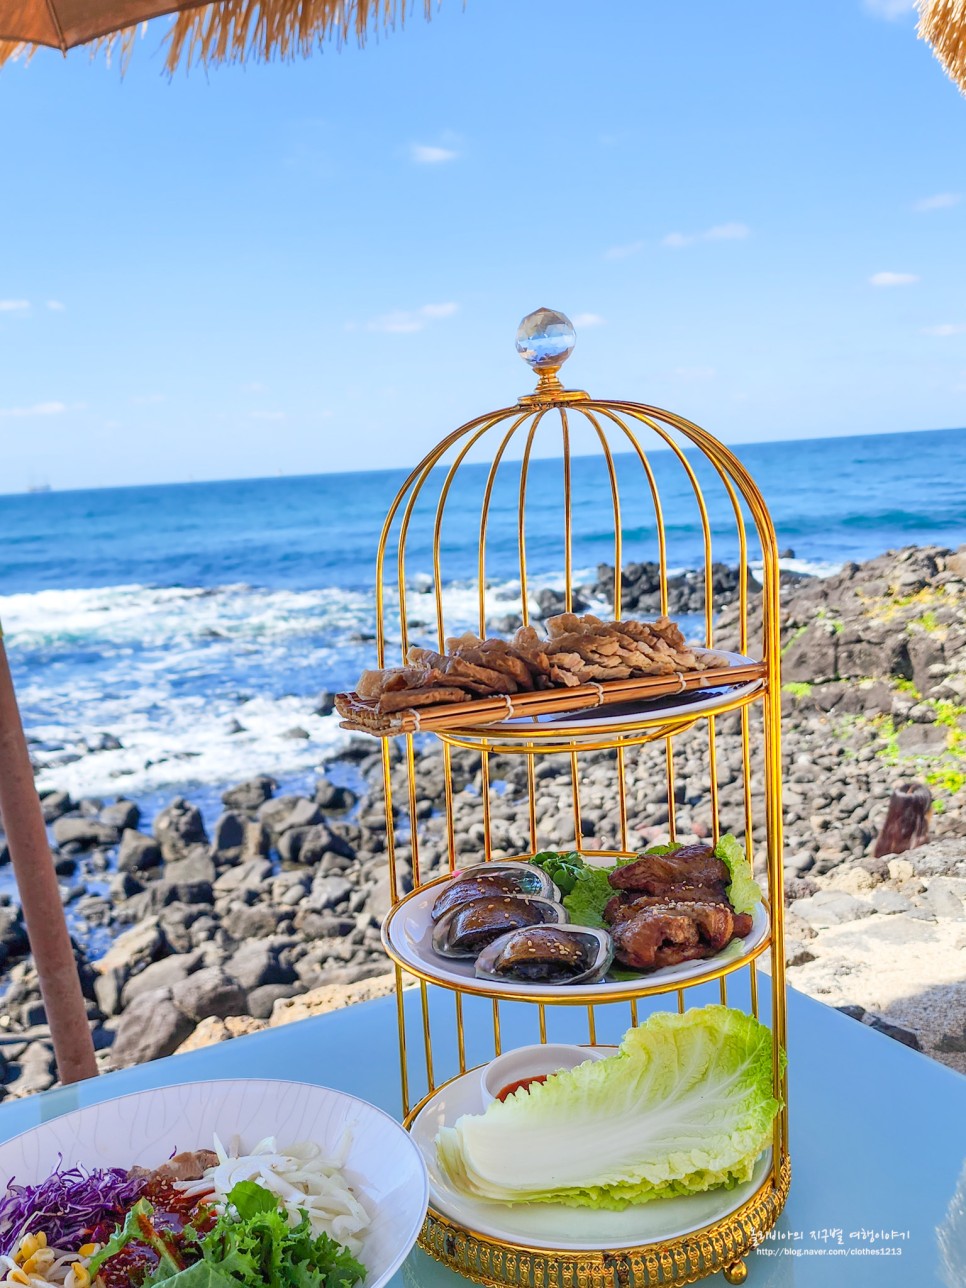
[(40, 487)]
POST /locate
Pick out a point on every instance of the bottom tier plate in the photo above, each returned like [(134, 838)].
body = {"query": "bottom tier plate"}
[(551, 1226)]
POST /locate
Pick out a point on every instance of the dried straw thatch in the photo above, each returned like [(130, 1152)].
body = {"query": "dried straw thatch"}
[(224, 32), (943, 24)]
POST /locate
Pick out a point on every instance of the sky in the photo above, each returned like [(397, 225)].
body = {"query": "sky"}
[(754, 213)]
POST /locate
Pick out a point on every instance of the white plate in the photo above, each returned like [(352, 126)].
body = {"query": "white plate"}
[(551, 1225), (383, 1166), (408, 937), (632, 714)]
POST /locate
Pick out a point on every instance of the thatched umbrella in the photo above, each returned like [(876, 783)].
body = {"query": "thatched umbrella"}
[(227, 31), (943, 24), (230, 30)]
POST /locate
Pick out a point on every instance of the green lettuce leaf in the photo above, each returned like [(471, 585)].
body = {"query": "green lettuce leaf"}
[(685, 1105), (744, 891), (563, 869), (588, 897)]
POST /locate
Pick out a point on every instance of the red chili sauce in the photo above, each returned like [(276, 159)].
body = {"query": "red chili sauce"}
[(173, 1210), (522, 1084)]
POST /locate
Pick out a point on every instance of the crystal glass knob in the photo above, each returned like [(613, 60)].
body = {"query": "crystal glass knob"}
[(545, 339)]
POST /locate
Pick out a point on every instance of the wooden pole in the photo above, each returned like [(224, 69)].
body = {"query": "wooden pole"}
[(33, 867)]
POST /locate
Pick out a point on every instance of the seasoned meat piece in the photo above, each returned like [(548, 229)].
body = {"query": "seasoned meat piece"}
[(662, 874), (653, 938), (743, 924), (650, 933), (190, 1165)]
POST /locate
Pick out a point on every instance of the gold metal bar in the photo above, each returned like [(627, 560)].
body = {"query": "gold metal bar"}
[(616, 502), (532, 801), (568, 515), (460, 1036), (622, 796), (713, 777), (484, 516), (591, 1026), (634, 1012), (401, 1025), (497, 1046), (655, 498), (723, 989), (488, 422), (575, 779), (680, 1001), (427, 1038), (746, 786), (671, 806), (753, 984), (485, 794), (450, 823), (413, 821), (521, 523), (390, 820), (542, 1020)]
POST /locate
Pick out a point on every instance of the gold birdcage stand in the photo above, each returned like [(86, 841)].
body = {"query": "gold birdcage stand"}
[(728, 508)]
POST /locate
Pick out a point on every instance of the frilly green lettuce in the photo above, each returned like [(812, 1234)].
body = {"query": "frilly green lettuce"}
[(685, 1105), (744, 891)]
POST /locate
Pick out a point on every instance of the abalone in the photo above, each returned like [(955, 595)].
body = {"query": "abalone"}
[(469, 927), (548, 955), (491, 880)]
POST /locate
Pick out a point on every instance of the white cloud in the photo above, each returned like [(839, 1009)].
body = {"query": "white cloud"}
[(587, 319), (945, 328), (403, 322), (941, 201), (624, 252), (890, 10), (893, 279), (428, 154), (56, 306), (720, 232), (694, 373), (14, 306), (38, 409), (266, 415)]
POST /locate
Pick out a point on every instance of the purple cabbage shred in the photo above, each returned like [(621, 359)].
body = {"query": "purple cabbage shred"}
[(66, 1205)]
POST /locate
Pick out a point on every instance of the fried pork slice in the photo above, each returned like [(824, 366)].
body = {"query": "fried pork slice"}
[(527, 644), (372, 684), (664, 933), (477, 679), (435, 696), (659, 874), (497, 655)]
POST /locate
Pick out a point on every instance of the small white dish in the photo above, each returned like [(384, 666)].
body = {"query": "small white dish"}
[(554, 1225), (532, 1062)]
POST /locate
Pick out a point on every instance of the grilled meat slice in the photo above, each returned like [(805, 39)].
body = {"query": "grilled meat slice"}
[(664, 874), (650, 933), (654, 938)]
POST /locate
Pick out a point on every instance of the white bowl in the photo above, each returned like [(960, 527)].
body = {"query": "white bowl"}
[(532, 1062), (384, 1166)]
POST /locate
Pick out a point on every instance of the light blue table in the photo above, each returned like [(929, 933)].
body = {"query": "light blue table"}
[(878, 1132)]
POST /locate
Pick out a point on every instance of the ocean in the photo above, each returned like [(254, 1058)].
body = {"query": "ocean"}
[(171, 639)]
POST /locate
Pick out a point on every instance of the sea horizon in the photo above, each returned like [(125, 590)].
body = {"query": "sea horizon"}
[(43, 488)]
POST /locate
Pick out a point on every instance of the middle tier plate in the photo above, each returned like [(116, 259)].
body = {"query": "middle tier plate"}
[(407, 937)]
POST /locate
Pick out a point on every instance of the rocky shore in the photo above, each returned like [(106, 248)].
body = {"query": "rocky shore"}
[(214, 927)]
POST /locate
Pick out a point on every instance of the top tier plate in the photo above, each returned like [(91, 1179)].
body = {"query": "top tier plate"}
[(583, 711)]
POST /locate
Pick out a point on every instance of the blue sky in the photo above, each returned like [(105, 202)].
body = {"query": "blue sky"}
[(755, 212)]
